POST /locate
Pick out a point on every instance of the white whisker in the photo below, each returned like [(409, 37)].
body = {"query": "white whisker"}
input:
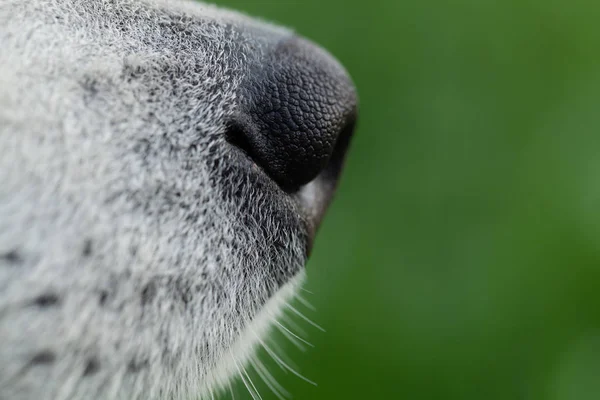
[(292, 339), (269, 352), (306, 290), (277, 349), (279, 361), (267, 378), (293, 325), (293, 371), (306, 303), (244, 380), (281, 326), (287, 366), (272, 379), (231, 391), (251, 383), (247, 387), (305, 318)]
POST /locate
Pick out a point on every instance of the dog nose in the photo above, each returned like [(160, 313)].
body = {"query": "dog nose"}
[(298, 110)]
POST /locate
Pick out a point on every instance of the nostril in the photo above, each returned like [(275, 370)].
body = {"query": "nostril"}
[(237, 133), (298, 107)]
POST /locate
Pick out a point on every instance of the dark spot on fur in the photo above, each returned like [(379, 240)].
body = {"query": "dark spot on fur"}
[(43, 358), (142, 147), (103, 296), (132, 71), (90, 86), (46, 300), (148, 292), (12, 257), (92, 366), (135, 366), (186, 295), (87, 248)]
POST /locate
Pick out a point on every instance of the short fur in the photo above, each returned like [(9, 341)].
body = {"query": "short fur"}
[(136, 246)]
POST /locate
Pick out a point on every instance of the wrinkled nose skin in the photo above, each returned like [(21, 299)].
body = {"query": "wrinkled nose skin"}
[(298, 113)]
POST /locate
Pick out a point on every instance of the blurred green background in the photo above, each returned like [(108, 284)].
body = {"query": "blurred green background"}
[(461, 257)]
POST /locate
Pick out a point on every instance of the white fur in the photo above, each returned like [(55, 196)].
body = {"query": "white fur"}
[(244, 348), (134, 261)]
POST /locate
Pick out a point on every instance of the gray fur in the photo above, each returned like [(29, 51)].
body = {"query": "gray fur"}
[(133, 252)]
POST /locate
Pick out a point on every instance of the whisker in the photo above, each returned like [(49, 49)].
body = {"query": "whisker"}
[(281, 326), (293, 325), (267, 380), (277, 349), (288, 367), (298, 374), (306, 290), (306, 303), (305, 318), (272, 378), (279, 361), (269, 352), (251, 383), (231, 390), (248, 387), (292, 339), (244, 380)]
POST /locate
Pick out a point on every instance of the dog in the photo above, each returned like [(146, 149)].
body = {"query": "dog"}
[(164, 167)]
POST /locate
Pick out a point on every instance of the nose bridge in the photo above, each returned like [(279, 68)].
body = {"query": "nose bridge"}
[(296, 101)]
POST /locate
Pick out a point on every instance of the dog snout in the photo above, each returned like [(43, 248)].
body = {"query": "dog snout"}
[(298, 111)]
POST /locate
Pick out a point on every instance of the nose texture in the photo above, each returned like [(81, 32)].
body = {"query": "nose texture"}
[(298, 108)]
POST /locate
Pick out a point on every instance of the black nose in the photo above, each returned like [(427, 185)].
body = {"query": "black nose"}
[(298, 112)]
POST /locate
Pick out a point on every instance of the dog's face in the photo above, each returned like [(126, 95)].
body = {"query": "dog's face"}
[(163, 168)]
